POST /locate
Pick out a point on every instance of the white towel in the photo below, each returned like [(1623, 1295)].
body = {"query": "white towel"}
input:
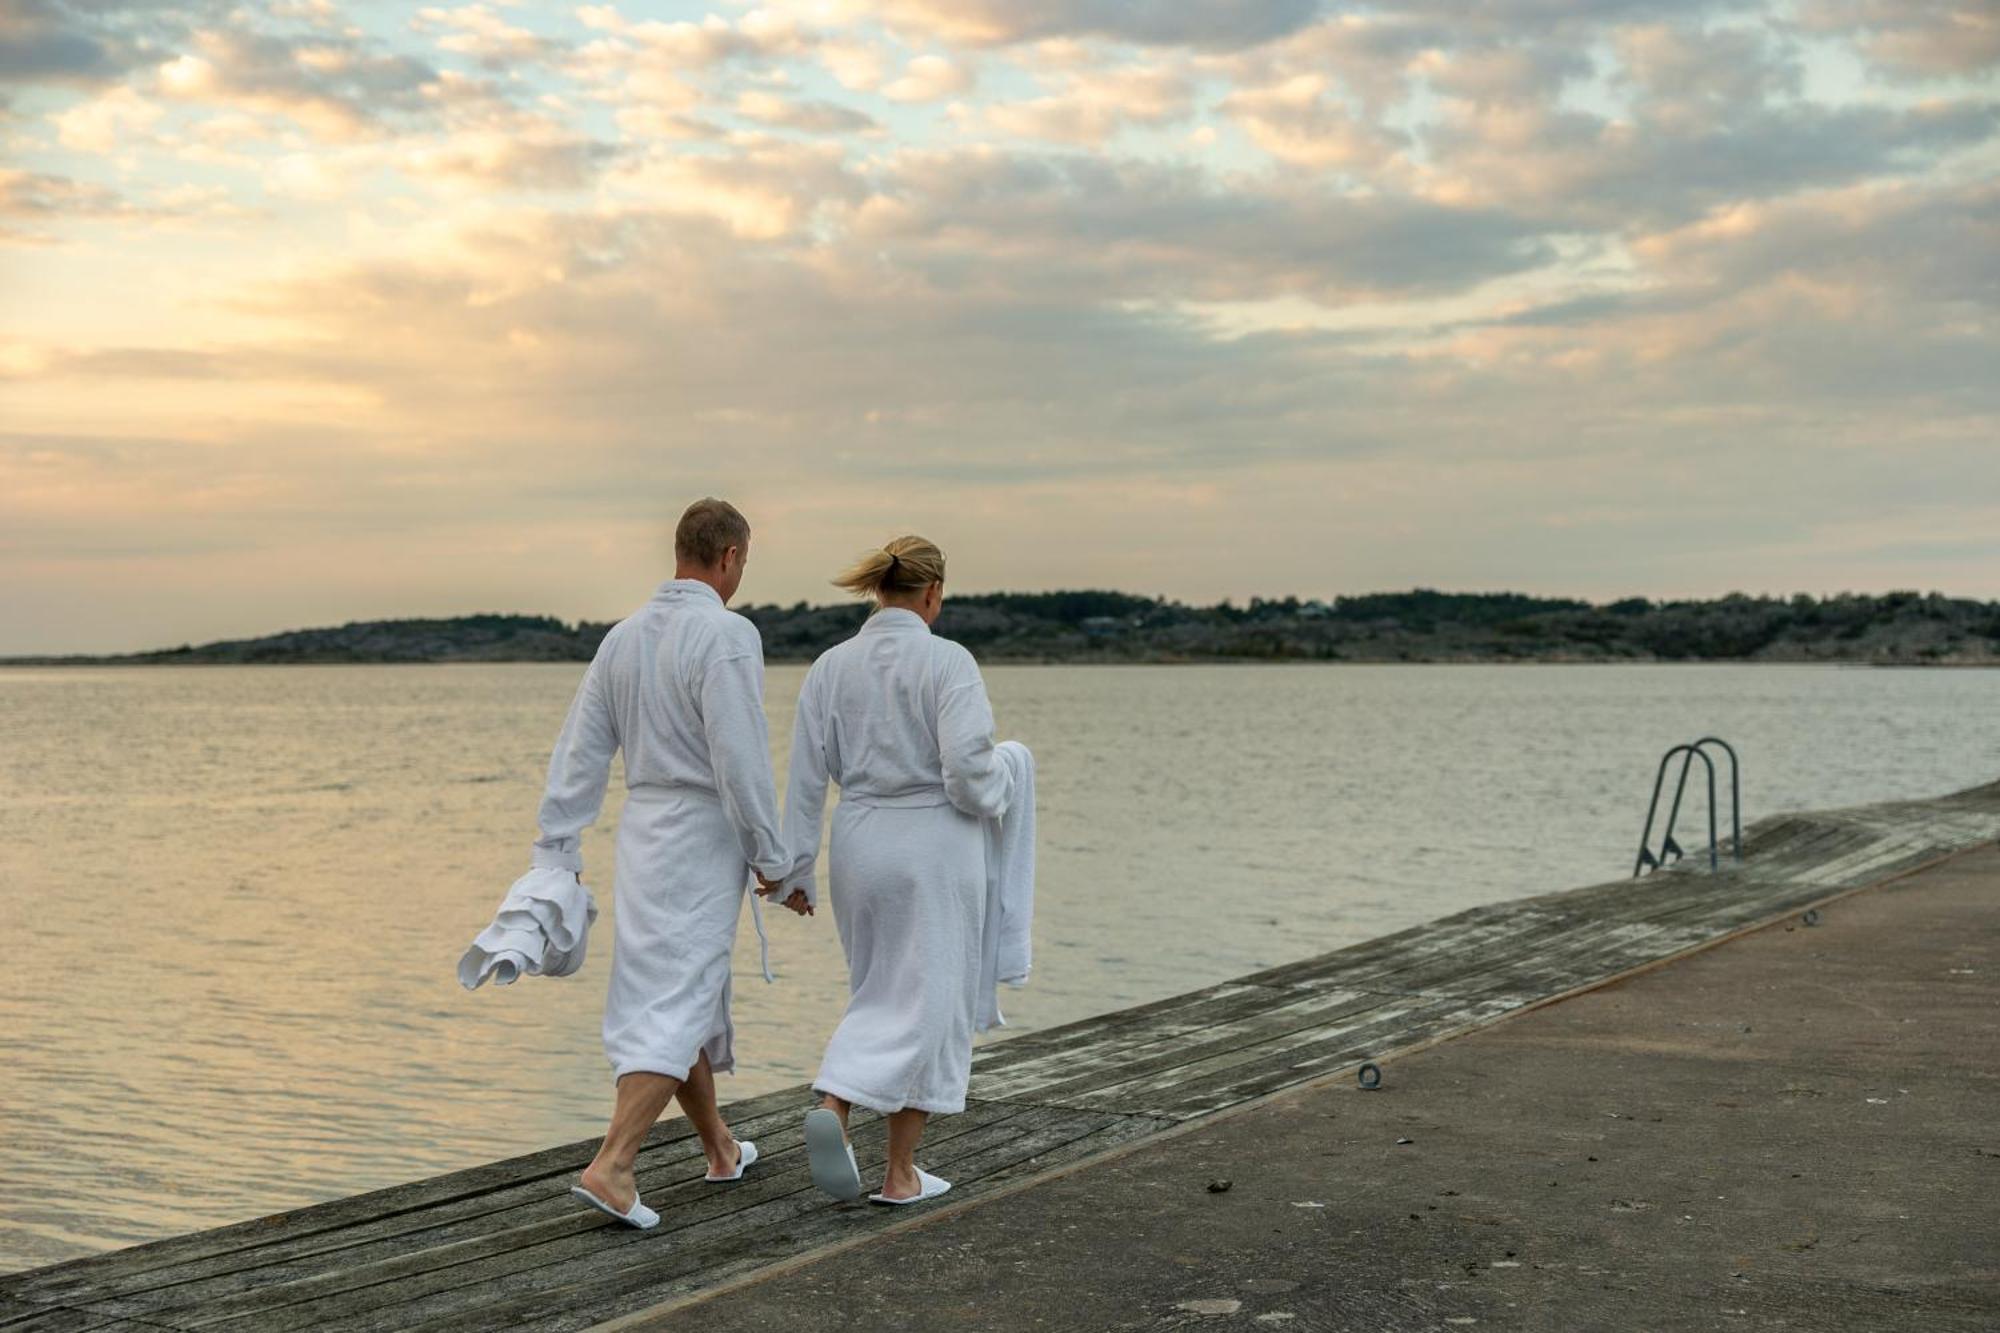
[(1006, 945), (541, 929)]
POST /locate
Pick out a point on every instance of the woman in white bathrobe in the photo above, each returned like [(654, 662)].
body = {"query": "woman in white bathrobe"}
[(900, 719)]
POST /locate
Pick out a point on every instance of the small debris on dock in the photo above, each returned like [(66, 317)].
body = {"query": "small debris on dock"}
[(1219, 1186), (1210, 1306)]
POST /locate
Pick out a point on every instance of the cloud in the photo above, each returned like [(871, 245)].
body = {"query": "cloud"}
[(1929, 245), (1299, 121), (334, 88), (760, 188), (498, 158), (1215, 24), (928, 79), (1490, 75), (1091, 105), (44, 41), (1135, 231), (657, 76), (807, 115), (481, 32), (1913, 38), (760, 35), (486, 140), (43, 195), (107, 122), (858, 66), (1582, 171)]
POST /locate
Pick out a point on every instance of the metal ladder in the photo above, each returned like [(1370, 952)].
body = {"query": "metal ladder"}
[(1668, 847)]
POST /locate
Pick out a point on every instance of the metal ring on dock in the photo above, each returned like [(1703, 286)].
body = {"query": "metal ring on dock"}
[(1811, 918), (1369, 1076)]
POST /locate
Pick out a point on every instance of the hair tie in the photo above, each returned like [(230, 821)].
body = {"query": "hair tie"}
[(894, 560)]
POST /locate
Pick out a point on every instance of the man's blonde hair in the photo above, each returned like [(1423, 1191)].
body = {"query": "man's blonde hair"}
[(709, 528)]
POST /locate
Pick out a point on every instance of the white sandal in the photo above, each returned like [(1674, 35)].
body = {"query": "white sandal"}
[(929, 1185), (639, 1215), (746, 1156), (831, 1156)]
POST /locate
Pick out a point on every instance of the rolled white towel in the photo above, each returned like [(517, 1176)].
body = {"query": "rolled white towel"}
[(541, 929), (1005, 945)]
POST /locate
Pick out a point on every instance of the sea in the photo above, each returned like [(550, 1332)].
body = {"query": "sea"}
[(233, 898)]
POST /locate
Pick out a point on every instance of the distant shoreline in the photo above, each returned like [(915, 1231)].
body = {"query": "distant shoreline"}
[(1166, 664), (1089, 628)]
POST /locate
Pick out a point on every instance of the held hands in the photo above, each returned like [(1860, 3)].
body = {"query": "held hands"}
[(769, 888)]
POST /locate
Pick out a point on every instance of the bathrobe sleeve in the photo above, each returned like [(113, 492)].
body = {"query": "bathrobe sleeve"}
[(975, 780), (739, 752), (578, 771), (805, 792)]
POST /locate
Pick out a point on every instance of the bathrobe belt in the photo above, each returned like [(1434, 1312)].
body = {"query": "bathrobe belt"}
[(901, 800), (663, 791)]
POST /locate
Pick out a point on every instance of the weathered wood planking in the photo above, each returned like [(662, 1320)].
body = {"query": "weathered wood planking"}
[(503, 1246)]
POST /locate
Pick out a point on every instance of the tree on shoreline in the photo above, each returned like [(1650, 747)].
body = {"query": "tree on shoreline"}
[(1092, 625)]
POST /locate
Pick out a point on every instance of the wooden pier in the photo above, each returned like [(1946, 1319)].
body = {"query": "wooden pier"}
[(504, 1246)]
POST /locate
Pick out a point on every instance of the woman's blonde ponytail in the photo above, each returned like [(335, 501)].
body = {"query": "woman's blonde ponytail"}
[(905, 565)]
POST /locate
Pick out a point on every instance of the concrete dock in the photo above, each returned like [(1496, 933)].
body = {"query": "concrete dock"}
[(1666, 1103), (1799, 1129)]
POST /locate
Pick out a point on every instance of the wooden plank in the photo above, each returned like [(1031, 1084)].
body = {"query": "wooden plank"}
[(13, 1308), (784, 1199), (1484, 952), (17, 1316), (550, 1220), (1186, 1090), (660, 1163), (1423, 955), (1190, 1008), (1060, 1079), (1116, 1130), (78, 1275), (578, 1304)]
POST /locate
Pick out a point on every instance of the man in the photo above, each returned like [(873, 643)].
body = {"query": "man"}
[(679, 686)]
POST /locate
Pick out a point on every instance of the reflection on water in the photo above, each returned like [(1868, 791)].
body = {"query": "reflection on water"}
[(234, 896)]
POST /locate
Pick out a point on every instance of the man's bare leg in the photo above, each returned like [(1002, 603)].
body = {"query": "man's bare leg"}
[(906, 1131), (697, 1099), (642, 1097), (838, 1107)]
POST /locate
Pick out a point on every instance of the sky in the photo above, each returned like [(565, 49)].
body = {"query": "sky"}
[(314, 311)]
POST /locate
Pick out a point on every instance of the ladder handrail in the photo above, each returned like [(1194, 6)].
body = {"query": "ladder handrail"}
[(1690, 752), (1653, 810), (1680, 787), (1735, 793)]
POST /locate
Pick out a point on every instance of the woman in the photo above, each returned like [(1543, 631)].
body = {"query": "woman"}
[(899, 718)]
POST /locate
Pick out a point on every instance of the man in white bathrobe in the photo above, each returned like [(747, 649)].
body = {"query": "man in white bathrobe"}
[(679, 686)]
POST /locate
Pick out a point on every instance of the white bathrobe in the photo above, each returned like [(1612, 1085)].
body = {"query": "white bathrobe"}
[(679, 685), (901, 721)]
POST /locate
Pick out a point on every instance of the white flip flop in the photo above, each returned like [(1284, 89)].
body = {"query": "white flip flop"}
[(930, 1187), (830, 1156), (746, 1156), (640, 1215)]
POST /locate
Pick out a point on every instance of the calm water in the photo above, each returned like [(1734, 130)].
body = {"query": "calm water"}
[(233, 897)]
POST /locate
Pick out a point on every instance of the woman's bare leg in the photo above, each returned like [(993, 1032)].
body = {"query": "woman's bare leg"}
[(906, 1131), (838, 1107), (697, 1099), (642, 1097)]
